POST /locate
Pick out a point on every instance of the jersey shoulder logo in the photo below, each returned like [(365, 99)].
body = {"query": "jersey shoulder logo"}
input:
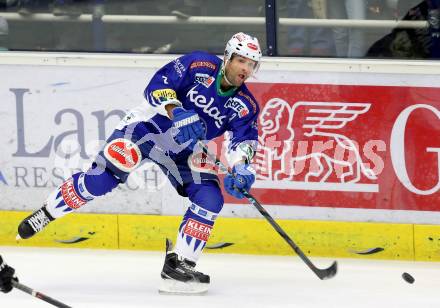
[(179, 67), (162, 95), (207, 64)]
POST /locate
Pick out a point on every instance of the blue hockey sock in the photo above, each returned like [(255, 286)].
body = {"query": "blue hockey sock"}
[(76, 191), (194, 232), (207, 202)]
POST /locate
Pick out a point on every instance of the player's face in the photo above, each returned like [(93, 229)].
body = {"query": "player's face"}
[(239, 69)]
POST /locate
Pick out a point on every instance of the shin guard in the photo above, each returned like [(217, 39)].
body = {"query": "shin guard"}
[(77, 191), (194, 232)]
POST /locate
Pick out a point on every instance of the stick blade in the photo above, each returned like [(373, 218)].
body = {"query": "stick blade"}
[(328, 273)]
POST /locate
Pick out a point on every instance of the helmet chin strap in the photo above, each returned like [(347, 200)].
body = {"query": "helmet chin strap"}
[(224, 74)]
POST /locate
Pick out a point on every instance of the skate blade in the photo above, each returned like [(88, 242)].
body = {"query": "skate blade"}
[(174, 287)]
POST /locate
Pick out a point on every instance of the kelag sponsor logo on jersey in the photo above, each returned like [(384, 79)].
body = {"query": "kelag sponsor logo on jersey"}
[(238, 106), (206, 106), (204, 79)]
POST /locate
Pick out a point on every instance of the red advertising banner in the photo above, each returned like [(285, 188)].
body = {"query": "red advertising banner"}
[(348, 146)]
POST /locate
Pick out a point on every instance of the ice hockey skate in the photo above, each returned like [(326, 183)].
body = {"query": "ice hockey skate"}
[(180, 277), (34, 223)]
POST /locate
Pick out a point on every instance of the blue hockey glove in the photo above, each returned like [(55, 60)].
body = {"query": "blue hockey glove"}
[(6, 277), (190, 128), (242, 177)]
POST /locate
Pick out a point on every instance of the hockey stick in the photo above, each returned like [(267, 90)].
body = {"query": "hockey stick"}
[(38, 295), (326, 273)]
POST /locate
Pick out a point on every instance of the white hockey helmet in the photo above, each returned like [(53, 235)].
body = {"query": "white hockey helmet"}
[(244, 45)]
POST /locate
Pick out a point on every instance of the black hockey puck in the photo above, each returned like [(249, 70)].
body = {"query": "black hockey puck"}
[(408, 278)]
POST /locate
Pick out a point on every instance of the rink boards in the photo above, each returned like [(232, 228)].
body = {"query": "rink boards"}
[(247, 236), (387, 112)]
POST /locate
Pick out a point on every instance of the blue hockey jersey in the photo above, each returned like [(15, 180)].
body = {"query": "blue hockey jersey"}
[(193, 81)]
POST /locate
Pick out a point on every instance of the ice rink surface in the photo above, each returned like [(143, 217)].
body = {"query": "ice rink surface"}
[(109, 278)]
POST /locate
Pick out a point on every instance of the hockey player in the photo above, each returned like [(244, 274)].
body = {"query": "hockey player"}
[(195, 97), (6, 276)]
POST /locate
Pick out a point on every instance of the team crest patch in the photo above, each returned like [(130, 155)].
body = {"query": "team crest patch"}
[(197, 229), (238, 106), (200, 162), (123, 153)]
